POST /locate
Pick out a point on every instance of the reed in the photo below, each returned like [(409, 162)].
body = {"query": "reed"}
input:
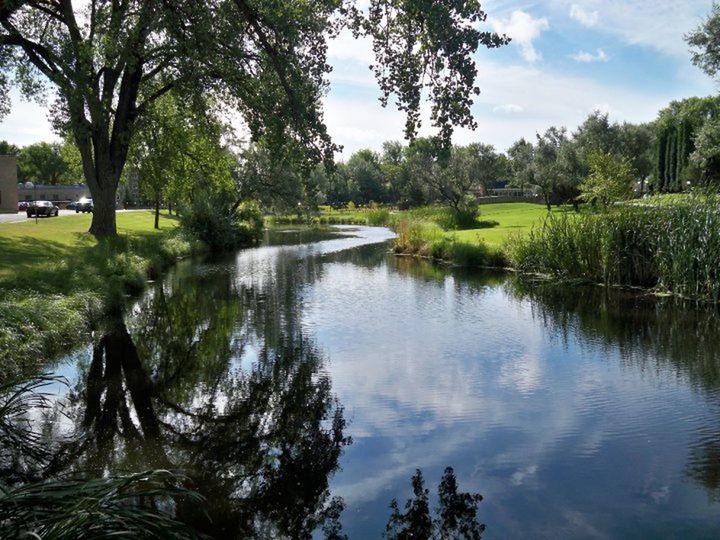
[(673, 248)]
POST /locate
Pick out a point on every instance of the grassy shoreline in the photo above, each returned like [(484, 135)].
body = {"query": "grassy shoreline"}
[(428, 232), (57, 281)]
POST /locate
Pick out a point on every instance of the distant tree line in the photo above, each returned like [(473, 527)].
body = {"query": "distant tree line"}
[(46, 163), (174, 151)]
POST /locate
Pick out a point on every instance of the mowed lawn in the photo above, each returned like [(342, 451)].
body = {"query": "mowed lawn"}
[(512, 218), (28, 249)]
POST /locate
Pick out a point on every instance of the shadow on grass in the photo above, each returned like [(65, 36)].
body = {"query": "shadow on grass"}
[(51, 267)]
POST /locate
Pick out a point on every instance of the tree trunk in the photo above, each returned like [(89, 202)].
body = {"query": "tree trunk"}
[(104, 223), (157, 212), (170, 207)]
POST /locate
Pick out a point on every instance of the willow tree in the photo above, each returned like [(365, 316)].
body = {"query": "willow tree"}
[(106, 61)]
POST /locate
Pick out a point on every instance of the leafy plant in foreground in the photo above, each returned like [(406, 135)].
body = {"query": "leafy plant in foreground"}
[(134, 506)]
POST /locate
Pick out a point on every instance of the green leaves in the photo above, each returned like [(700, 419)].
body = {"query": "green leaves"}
[(610, 179), (705, 43), (427, 46), (98, 508)]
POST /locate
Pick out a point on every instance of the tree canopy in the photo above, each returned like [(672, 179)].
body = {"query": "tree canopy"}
[(107, 62)]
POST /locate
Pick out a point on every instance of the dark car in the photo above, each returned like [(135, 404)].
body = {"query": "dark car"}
[(22, 206), (42, 208), (84, 205)]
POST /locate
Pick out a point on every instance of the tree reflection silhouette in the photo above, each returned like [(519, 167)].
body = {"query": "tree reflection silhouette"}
[(216, 378), (456, 513)]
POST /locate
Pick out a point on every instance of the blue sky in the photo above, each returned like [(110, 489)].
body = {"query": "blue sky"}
[(567, 58)]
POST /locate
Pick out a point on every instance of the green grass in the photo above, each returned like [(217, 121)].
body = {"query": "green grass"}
[(511, 218), (56, 280), (36, 256)]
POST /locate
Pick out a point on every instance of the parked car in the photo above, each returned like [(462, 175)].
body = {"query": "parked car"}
[(42, 208), (84, 205), (22, 206)]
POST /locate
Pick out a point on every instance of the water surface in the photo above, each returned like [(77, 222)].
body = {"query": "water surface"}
[(318, 368)]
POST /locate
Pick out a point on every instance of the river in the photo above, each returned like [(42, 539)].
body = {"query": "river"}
[(317, 372)]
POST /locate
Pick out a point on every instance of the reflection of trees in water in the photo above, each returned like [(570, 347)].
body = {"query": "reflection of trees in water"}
[(456, 514), (215, 377), (651, 333)]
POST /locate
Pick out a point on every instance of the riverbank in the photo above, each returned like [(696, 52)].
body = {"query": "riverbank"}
[(56, 280), (429, 232)]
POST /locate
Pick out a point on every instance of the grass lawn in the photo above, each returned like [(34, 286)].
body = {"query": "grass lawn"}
[(56, 280), (32, 252), (512, 218)]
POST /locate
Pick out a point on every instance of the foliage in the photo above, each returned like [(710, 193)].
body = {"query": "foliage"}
[(43, 163), (610, 179), (703, 43), (673, 247), (677, 129), (706, 156), (275, 178), (97, 508), (74, 507), (109, 62), (176, 152), (213, 218), (8, 149), (549, 173), (456, 513), (521, 157), (364, 169), (452, 177), (426, 239)]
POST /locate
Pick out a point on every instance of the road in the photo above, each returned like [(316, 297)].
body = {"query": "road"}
[(21, 216)]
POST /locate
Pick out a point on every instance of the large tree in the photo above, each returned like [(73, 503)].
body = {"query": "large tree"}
[(365, 172), (521, 156), (107, 61), (704, 41)]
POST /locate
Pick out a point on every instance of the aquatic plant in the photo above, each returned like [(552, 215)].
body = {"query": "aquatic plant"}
[(673, 248)]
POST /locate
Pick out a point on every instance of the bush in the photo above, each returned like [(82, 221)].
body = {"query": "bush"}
[(378, 217), (215, 221)]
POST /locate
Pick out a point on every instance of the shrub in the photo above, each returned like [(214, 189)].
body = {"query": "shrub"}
[(214, 220), (378, 217)]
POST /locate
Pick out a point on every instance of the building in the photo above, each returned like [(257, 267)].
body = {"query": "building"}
[(61, 193), (8, 185)]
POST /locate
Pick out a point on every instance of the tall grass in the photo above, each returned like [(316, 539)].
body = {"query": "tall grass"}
[(672, 248)]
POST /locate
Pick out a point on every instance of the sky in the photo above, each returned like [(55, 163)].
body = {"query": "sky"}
[(567, 58)]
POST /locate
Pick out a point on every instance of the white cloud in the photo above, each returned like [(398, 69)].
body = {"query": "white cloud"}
[(584, 17), (508, 108), (658, 24), (346, 47), (524, 29), (587, 57)]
